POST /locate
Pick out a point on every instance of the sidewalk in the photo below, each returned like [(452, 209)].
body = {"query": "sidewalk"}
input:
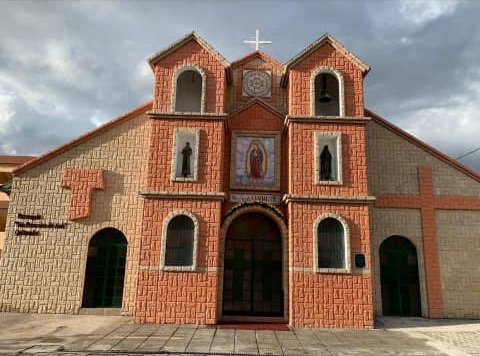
[(43, 334)]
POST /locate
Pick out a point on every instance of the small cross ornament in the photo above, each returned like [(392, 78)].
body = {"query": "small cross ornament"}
[(257, 42)]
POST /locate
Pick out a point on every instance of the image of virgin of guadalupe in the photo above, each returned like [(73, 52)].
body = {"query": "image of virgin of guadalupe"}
[(256, 162)]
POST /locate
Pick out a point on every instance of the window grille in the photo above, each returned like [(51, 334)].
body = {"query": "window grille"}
[(331, 244), (180, 240)]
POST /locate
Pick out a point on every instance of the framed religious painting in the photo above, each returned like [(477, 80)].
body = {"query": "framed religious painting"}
[(255, 160), (328, 158), (185, 150)]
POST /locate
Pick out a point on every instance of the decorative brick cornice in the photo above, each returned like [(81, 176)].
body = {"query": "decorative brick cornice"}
[(327, 119), (183, 195), (157, 114), (355, 271), (160, 268), (287, 198)]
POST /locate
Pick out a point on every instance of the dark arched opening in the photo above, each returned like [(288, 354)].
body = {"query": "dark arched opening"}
[(399, 277), (105, 271), (252, 280), (189, 92), (327, 102)]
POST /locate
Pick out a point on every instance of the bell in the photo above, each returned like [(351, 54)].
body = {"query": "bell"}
[(324, 96)]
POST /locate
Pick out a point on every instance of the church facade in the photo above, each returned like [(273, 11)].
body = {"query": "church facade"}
[(246, 191)]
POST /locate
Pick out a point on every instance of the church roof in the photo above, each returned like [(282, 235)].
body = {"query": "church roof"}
[(327, 38), (192, 36), (256, 54), (412, 139), (75, 142), (15, 159)]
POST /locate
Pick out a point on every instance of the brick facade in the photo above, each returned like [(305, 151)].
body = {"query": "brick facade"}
[(254, 150)]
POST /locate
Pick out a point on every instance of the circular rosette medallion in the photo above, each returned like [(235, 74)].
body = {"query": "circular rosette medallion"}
[(257, 83)]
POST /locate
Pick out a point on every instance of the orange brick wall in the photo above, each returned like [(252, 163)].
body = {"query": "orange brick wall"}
[(190, 54), (256, 61), (175, 296), (302, 164), (328, 299), (210, 165), (325, 56)]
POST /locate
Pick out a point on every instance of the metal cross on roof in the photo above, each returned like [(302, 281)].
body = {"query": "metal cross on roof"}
[(257, 41)]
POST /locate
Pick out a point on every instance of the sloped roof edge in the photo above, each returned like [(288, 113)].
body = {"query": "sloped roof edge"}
[(75, 142), (252, 102), (15, 159), (256, 54), (181, 42), (337, 45), (433, 151)]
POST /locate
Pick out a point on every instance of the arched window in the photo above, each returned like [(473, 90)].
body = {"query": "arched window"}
[(331, 244), (327, 93), (180, 241), (189, 86)]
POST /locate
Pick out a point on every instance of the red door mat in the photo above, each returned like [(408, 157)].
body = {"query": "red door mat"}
[(255, 326)]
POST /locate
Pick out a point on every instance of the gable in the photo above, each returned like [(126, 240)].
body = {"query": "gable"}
[(256, 116), (327, 40), (393, 158)]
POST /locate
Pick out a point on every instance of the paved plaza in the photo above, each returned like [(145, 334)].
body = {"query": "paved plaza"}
[(37, 334)]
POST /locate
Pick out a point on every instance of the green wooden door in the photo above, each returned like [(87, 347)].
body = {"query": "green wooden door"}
[(253, 268), (399, 277), (105, 271)]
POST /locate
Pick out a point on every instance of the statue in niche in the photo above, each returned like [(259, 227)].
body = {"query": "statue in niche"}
[(325, 164), (186, 153)]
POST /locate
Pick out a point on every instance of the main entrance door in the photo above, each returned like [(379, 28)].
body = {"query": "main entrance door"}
[(399, 277), (252, 284), (105, 271)]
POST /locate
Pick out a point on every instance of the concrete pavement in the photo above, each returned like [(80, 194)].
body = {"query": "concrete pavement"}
[(44, 334)]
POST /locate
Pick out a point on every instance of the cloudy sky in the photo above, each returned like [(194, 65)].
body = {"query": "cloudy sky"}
[(69, 66)]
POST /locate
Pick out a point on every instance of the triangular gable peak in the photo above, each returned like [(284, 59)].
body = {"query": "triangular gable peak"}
[(441, 156), (256, 115), (192, 36), (85, 137), (256, 55), (327, 39)]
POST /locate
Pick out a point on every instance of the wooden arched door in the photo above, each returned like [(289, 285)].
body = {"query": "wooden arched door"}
[(252, 283)]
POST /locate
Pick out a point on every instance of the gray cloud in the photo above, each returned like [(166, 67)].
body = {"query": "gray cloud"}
[(66, 67)]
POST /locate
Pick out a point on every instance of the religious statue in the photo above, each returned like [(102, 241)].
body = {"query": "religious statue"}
[(325, 164), (186, 153)]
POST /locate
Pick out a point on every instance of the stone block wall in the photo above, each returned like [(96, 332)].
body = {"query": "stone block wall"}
[(210, 155), (191, 54), (45, 273), (258, 61), (301, 168), (325, 56), (320, 299), (182, 297), (455, 225)]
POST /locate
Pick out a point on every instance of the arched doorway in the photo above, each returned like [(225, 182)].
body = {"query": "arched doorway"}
[(399, 277), (252, 279), (105, 271)]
